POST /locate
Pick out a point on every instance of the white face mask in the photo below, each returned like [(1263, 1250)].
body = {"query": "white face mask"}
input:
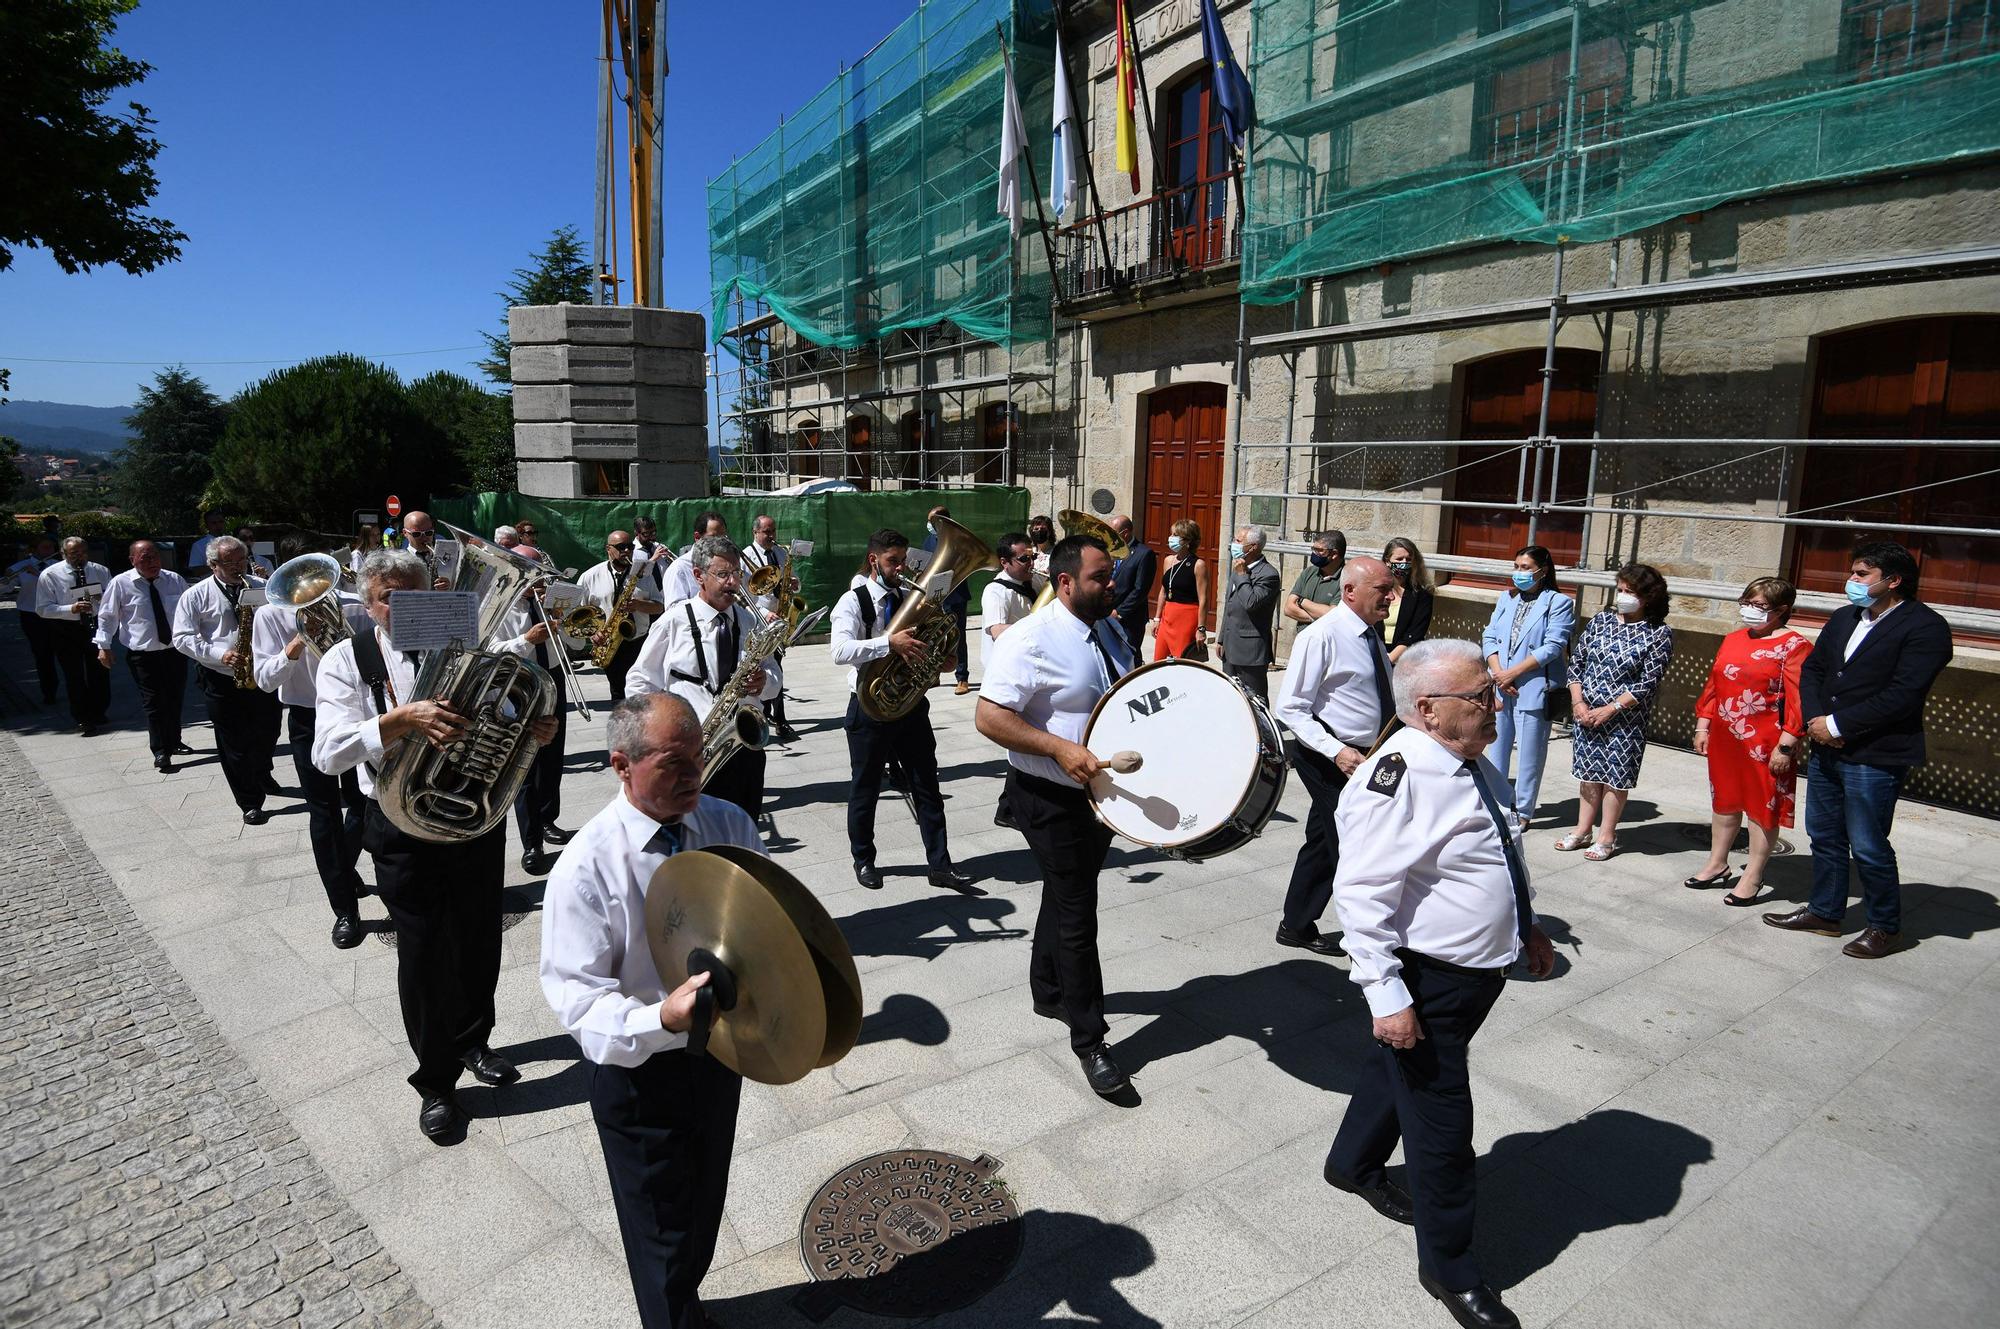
[(1174, 543), (1627, 602), (1753, 616)]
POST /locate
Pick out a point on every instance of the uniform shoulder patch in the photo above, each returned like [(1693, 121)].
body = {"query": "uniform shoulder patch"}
[(1388, 776)]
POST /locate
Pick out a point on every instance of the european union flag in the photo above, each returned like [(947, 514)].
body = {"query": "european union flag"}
[(1232, 88)]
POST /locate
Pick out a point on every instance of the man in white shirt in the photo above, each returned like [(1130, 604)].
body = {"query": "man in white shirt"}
[(764, 551), (677, 579), (1010, 596), (1335, 698), (66, 596), (860, 634), (525, 632), (1045, 676), (666, 1119), (285, 665), (420, 538), (1434, 891), (138, 613), (246, 720), (603, 584), (443, 898), (697, 647), (26, 574), (197, 558)]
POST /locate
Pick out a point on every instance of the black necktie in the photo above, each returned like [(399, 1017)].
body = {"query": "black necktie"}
[(666, 840), (410, 659), (1385, 696), (230, 592), (159, 610), (618, 582), (1523, 911), (725, 648)]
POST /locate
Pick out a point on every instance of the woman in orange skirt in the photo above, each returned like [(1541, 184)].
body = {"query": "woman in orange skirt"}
[(1180, 606), (1748, 725)]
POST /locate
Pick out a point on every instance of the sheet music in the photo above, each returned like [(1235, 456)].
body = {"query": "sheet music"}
[(433, 620)]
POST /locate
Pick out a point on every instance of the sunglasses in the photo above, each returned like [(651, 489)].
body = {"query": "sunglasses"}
[(625, 545), (525, 530)]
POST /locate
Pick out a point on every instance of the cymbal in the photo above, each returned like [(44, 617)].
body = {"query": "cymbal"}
[(777, 1031), (839, 981)]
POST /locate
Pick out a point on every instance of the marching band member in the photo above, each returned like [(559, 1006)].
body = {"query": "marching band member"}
[(764, 551), (197, 556), (27, 575), (138, 612), (246, 720), (420, 538), (604, 583), (647, 546), (677, 581), (860, 634), (1436, 911), (525, 632), (1335, 697), (665, 1119), (285, 667), (1010, 596), (62, 597), (694, 652), (443, 898), (1044, 678)]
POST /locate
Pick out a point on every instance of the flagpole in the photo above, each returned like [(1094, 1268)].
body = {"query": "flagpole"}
[(1089, 171), (1027, 155)]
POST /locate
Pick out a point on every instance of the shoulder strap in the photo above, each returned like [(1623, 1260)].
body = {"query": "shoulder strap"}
[(373, 668), (700, 656), (866, 603)]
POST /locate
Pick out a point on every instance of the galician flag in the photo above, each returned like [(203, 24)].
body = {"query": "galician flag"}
[(1062, 153), (1126, 138), (1013, 140)]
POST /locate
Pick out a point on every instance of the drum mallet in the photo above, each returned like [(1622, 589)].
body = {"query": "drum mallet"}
[(1124, 763)]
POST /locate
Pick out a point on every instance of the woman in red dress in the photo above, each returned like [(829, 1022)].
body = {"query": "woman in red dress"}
[(1747, 723), (1180, 605)]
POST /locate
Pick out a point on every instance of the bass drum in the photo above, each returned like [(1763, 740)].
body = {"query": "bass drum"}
[(1213, 761)]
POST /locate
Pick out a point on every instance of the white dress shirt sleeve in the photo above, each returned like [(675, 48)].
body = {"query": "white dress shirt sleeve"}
[(190, 637), (1368, 887), (1298, 690), (649, 672), (111, 612), (580, 958), (270, 634), (850, 648), (1012, 679), (53, 593), (346, 731), (993, 609)]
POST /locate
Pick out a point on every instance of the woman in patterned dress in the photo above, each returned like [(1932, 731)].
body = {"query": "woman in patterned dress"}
[(1615, 673), (1747, 724)]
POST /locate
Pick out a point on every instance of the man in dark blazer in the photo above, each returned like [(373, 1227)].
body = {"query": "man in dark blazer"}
[(1132, 584), (1246, 613), (1862, 696)]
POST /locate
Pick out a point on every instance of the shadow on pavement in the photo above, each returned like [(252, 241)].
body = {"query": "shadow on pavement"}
[(531, 1093), (907, 928)]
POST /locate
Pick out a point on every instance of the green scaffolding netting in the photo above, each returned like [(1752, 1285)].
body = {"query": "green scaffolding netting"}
[(1391, 128), (873, 209)]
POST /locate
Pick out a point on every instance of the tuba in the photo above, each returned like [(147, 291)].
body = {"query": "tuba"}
[(891, 687), (1082, 523), (309, 585), (462, 790)]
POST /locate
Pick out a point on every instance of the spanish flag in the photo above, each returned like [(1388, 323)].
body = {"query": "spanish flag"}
[(1127, 154)]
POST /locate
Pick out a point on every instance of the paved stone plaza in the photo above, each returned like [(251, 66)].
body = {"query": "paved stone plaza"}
[(1695, 1121)]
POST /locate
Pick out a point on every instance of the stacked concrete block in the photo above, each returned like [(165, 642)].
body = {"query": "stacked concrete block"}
[(609, 384)]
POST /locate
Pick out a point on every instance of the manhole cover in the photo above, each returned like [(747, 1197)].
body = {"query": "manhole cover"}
[(910, 1233)]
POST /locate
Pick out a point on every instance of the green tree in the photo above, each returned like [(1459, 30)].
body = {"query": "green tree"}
[(14, 483), (477, 427), (162, 473), (77, 176), (557, 272), (311, 443)]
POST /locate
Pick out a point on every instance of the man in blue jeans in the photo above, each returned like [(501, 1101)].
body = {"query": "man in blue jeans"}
[(1862, 695)]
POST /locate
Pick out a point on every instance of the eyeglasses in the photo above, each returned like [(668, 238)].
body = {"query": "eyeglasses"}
[(625, 545), (1483, 697), (525, 530)]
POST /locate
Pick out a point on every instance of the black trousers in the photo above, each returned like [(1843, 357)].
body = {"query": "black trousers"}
[(246, 724), (161, 677), (962, 662), (667, 1126), (539, 803), (621, 665), (1423, 1097), (1133, 625), (1254, 679), (1312, 872), (87, 682), (1069, 844), (36, 629), (911, 744), (740, 781), (445, 902), (334, 808)]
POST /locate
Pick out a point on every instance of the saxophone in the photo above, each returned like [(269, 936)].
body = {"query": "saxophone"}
[(244, 669), (586, 621), (737, 720), (890, 688)]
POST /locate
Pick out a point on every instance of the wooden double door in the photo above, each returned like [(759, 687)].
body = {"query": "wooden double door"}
[(1186, 430)]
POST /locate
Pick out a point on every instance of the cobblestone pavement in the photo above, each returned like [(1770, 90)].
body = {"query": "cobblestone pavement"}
[(145, 1176)]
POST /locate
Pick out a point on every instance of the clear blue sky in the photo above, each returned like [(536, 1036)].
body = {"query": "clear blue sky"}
[(365, 176)]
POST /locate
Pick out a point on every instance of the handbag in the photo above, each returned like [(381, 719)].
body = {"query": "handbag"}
[(1197, 651)]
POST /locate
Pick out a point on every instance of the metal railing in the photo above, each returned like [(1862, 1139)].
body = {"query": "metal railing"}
[(1187, 229)]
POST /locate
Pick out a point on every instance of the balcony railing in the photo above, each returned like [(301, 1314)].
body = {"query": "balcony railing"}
[(1184, 232)]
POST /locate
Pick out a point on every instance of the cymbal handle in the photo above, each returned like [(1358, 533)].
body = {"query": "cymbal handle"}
[(718, 994), (1124, 763)]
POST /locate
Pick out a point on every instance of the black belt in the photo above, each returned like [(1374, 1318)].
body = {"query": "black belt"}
[(1036, 784), (1422, 961)]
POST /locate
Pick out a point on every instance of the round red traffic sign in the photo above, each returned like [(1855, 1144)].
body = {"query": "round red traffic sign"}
[(395, 506)]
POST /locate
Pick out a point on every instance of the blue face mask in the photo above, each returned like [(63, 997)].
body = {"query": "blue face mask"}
[(1857, 594), (1400, 569), (1236, 549), (1524, 581), (1174, 544), (1318, 560)]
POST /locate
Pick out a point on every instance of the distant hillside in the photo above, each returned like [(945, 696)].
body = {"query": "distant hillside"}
[(54, 426)]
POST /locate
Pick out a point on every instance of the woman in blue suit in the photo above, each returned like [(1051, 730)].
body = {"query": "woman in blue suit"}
[(1525, 642)]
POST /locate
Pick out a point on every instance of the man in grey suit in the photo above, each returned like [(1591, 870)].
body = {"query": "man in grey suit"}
[(1246, 614)]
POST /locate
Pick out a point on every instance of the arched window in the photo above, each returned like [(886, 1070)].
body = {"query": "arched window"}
[(1503, 400)]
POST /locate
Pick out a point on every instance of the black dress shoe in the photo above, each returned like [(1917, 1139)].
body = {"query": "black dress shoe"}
[(255, 817), (164, 765), (556, 835), (1102, 1072), (90, 731), (1389, 1200), (951, 879), (347, 932), (183, 750), (1475, 1308), (866, 874), (439, 1118), (536, 863), (785, 733), (1319, 943), (489, 1067)]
